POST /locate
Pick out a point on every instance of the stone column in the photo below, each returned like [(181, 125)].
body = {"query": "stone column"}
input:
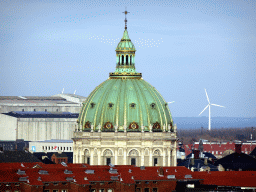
[(164, 157), (142, 158), (81, 155), (91, 159), (124, 160), (124, 59), (115, 156), (150, 157), (174, 155), (99, 156), (168, 156)]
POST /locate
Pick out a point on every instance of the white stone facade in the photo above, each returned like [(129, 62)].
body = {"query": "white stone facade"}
[(130, 148)]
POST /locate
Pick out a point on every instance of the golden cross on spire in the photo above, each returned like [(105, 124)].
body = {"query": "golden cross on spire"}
[(125, 12)]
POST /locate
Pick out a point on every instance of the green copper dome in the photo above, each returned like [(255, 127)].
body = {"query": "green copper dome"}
[(125, 102)]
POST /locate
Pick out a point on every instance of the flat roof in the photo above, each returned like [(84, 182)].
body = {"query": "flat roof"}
[(41, 114)]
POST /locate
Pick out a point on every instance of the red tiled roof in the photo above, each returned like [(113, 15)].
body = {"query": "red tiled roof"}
[(228, 178), (125, 174)]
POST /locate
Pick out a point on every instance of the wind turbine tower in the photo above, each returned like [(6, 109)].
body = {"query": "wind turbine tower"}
[(209, 105)]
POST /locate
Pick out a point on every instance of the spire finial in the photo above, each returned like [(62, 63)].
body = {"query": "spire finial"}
[(125, 12)]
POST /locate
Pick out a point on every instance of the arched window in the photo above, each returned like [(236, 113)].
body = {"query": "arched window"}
[(122, 60), (127, 60), (130, 60)]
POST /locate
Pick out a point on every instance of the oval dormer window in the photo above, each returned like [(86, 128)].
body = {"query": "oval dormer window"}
[(92, 105), (110, 105), (153, 105), (132, 105)]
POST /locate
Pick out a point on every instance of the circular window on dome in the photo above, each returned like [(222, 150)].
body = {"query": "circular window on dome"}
[(134, 125), (108, 125), (153, 105), (92, 105), (132, 105)]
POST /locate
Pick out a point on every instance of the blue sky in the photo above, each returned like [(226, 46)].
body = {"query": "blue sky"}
[(182, 48)]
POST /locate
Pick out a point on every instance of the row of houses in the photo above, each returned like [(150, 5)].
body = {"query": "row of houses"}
[(83, 177)]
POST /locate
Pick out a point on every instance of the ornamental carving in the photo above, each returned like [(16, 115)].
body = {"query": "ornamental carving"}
[(133, 125), (87, 125), (156, 125), (108, 125)]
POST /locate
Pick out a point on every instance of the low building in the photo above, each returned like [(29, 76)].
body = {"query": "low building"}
[(57, 103), (59, 158), (221, 149), (237, 161), (17, 145), (52, 145), (37, 125), (17, 156)]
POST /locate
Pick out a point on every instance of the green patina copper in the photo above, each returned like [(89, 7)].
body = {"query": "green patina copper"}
[(125, 99)]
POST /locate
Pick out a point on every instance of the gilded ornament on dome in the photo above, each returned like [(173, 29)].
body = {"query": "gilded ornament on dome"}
[(87, 125), (108, 125), (156, 125), (133, 125)]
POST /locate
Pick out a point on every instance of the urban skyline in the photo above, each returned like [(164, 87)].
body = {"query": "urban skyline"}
[(182, 48)]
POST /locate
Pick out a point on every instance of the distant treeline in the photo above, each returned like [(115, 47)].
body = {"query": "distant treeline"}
[(220, 134)]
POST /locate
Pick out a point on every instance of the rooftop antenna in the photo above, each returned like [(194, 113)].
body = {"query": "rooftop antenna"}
[(62, 91), (75, 92), (125, 12), (209, 105)]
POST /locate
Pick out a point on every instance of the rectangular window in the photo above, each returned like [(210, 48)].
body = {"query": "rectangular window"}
[(138, 190), (133, 161), (93, 190), (216, 152), (155, 190), (70, 148), (155, 161), (110, 190), (46, 190), (108, 161), (64, 190), (146, 190), (55, 190), (102, 190)]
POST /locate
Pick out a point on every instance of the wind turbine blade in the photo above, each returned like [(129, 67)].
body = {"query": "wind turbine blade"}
[(207, 96), (204, 110), (170, 102), (217, 105)]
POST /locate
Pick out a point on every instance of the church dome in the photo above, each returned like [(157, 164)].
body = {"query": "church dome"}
[(125, 102)]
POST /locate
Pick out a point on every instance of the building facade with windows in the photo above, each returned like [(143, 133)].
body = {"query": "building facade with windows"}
[(125, 120), (52, 145)]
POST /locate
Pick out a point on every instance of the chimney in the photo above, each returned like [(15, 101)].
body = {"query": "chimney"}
[(196, 152), (238, 147), (205, 161), (192, 160), (161, 171)]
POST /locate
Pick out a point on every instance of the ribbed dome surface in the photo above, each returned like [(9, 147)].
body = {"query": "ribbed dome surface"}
[(125, 102)]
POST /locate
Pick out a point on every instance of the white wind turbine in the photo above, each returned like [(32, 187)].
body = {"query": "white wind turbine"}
[(209, 105)]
